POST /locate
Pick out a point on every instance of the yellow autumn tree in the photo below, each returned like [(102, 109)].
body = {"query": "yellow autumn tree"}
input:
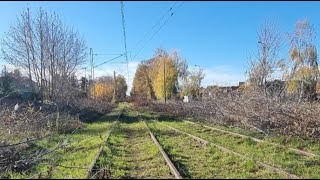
[(304, 74), (103, 89), (166, 78), (158, 75), (163, 74)]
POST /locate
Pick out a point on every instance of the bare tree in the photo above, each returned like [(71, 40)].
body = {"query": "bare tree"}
[(47, 49), (192, 82), (266, 62)]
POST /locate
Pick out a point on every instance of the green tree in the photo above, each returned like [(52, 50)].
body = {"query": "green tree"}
[(121, 88), (142, 87), (6, 82), (84, 83)]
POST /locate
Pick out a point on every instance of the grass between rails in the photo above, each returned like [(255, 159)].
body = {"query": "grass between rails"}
[(290, 141), (131, 153), (307, 167), (197, 161), (294, 142), (84, 146)]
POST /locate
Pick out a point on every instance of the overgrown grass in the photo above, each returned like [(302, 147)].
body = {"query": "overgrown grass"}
[(81, 151), (307, 167), (295, 142), (290, 141), (197, 161), (131, 153)]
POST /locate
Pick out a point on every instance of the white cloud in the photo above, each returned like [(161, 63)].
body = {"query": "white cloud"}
[(223, 75)]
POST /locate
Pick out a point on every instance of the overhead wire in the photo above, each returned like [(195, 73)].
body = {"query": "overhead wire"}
[(156, 32), (156, 24), (161, 26), (109, 60)]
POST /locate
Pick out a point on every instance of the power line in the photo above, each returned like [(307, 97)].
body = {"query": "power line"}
[(109, 60), (156, 24), (124, 36), (156, 32), (105, 54), (123, 62)]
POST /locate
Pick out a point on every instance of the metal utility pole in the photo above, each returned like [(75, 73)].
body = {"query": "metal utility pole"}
[(93, 72), (164, 80), (85, 77), (91, 63), (125, 38), (92, 66), (85, 72)]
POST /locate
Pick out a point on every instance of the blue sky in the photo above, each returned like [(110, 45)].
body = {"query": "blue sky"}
[(217, 36)]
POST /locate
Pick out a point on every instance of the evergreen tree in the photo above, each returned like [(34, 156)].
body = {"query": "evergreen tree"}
[(6, 82)]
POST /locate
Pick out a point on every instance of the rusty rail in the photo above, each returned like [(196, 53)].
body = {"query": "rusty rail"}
[(258, 140), (173, 169), (203, 141)]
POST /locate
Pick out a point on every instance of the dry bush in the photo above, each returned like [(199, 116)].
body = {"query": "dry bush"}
[(31, 119), (21, 127), (23, 123), (252, 111), (89, 109), (140, 101)]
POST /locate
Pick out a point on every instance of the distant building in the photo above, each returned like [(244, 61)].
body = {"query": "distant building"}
[(217, 91), (187, 99)]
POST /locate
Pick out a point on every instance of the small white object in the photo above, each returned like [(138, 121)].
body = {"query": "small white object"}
[(186, 99), (16, 107)]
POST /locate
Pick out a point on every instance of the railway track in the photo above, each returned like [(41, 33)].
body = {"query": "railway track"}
[(133, 147), (275, 156), (131, 153), (198, 161), (306, 153), (164, 154), (279, 170)]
